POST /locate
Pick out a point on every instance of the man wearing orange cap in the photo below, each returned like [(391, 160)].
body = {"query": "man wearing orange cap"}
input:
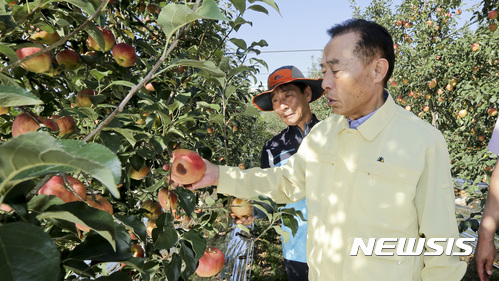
[(289, 94)]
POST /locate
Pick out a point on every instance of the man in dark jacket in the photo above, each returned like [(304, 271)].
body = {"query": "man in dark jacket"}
[(289, 94)]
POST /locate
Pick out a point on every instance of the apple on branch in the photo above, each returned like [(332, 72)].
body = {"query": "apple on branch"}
[(140, 174), (66, 124), (83, 97), (167, 199), (124, 54), (38, 64), (108, 38), (211, 263), (153, 209), (44, 37), (24, 123), (187, 167), (56, 186), (137, 251), (68, 59), (241, 208)]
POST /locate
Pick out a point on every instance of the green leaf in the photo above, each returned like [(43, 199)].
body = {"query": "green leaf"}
[(284, 234), (167, 238), (271, 3), (135, 223), (197, 241), (207, 66), (27, 253), (240, 5), (174, 267), (187, 199), (99, 74), (84, 5), (210, 10), (8, 52), (122, 83), (188, 256), (79, 212), (15, 96), (258, 8), (240, 43), (173, 16), (36, 154), (96, 248)]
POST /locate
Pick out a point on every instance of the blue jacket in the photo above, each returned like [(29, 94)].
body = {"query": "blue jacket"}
[(276, 152)]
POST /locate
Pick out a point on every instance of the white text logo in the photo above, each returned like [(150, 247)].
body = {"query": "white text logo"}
[(409, 247)]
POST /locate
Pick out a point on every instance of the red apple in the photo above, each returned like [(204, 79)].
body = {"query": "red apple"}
[(462, 113), (459, 11), (124, 54), (211, 263), (38, 64), (45, 37), (108, 38), (137, 251), (153, 208), (426, 108), (68, 59), (449, 87), (408, 107), (475, 47), (432, 84), (492, 15), (4, 110), (167, 199), (149, 87), (24, 123), (82, 98), (241, 208), (187, 167), (140, 174), (66, 124), (102, 204), (152, 8), (55, 186), (492, 112), (398, 23), (493, 26)]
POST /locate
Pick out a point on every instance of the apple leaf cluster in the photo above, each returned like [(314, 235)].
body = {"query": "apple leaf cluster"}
[(98, 94)]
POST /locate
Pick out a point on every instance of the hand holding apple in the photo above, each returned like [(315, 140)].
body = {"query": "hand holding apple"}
[(187, 167), (211, 263)]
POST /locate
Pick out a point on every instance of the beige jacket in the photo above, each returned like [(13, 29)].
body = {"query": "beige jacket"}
[(389, 178)]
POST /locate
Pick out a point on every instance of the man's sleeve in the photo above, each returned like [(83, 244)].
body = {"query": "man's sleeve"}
[(436, 214), (283, 184)]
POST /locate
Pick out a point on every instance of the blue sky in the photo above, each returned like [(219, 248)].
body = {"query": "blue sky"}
[(302, 25)]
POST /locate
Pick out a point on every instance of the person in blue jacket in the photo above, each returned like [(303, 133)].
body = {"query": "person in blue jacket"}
[(289, 94)]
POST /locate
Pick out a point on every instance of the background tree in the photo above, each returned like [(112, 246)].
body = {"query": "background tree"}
[(96, 96)]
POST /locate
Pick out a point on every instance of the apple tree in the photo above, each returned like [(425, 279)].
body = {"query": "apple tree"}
[(98, 95), (447, 73)]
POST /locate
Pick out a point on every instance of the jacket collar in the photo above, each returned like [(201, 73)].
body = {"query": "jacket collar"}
[(375, 124)]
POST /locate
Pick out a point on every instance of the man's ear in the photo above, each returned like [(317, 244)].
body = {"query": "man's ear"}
[(380, 70), (308, 93)]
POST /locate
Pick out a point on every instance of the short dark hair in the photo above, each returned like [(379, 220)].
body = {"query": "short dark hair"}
[(374, 40)]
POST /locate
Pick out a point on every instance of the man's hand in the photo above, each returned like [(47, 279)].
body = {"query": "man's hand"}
[(484, 258), (209, 178)]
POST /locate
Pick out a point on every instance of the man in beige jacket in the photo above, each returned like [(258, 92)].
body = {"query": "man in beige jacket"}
[(371, 170)]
